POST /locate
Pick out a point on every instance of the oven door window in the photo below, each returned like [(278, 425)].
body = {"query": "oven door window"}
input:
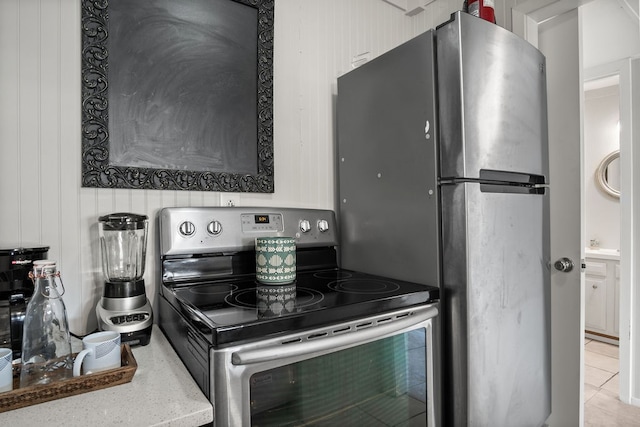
[(383, 383)]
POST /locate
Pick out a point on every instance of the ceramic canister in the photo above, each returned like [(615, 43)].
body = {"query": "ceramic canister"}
[(275, 260)]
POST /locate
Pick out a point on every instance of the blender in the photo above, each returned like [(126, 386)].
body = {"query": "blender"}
[(124, 306)]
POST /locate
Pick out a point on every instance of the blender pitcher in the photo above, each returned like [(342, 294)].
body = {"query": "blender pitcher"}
[(123, 239)]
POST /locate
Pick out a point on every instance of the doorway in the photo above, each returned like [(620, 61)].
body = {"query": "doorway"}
[(601, 207), (625, 72), (607, 68)]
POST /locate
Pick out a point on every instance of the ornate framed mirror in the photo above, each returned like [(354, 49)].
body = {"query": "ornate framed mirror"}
[(608, 174), (178, 95)]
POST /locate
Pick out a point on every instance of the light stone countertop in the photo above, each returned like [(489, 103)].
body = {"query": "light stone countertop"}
[(161, 393)]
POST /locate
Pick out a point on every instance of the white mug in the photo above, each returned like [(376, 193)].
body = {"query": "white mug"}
[(6, 369), (101, 351)]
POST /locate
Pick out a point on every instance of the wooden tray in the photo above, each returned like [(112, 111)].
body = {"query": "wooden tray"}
[(32, 395)]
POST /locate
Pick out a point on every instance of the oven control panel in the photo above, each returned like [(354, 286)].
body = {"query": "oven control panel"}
[(262, 222), (202, 230)]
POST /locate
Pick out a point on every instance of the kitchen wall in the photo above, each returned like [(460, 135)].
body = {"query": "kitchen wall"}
[(601, 137), (42, 201)]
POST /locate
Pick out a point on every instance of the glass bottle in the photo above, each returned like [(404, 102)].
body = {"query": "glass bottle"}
[(46, 342)]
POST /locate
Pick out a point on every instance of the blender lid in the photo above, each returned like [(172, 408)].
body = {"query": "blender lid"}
[(123, 221)]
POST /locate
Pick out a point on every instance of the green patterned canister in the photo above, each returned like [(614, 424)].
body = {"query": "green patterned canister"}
[(275, 260)]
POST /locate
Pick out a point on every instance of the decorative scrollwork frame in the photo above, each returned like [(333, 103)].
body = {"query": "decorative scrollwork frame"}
[(96, 168)]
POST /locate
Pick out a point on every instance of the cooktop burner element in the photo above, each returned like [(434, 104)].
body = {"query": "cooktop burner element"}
[(364, 286), (213, 289), (333, 274)]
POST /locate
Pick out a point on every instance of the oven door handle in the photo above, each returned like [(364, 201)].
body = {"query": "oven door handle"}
[(379, 328)]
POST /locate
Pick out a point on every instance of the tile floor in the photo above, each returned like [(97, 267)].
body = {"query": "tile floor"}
[(602, 408)]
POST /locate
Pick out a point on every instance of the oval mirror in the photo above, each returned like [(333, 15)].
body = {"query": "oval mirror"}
[(608, 174)]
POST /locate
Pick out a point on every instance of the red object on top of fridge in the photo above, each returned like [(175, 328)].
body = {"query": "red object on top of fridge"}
[(484, 9)]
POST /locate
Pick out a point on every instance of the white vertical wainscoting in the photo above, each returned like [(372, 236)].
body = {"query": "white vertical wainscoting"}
[(9, 148), (41, 198)]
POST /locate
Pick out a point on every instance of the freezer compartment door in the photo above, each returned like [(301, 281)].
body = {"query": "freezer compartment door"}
[(496, 284), (492, 100)]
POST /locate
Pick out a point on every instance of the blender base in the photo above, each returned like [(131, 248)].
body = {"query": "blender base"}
[(140, 337), (134, 325)]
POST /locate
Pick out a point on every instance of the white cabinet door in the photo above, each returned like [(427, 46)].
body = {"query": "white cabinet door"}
[(595, 298), (601, 299)]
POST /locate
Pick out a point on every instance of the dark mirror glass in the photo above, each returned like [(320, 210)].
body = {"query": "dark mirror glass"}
[(178, 95)]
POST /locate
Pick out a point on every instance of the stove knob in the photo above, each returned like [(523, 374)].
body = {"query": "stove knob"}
[(323, 225), (305, 226), (187, 229), (214, 228)]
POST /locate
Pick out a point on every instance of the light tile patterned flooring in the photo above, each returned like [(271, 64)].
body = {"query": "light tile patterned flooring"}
[(602, 408)]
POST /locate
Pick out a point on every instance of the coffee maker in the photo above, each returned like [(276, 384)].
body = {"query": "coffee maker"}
[(16, 289), (124, 306)]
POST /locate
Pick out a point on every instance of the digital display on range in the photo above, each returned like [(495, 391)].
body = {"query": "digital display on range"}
[(267, 222), (262, 219)]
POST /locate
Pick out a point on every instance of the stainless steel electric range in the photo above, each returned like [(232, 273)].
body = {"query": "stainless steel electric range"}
[(333, 345)]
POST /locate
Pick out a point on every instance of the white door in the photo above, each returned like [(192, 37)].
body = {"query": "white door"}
[(559, 42), (558, 39)]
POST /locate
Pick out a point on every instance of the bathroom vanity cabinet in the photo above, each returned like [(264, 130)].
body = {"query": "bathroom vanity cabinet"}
[(602, 294)]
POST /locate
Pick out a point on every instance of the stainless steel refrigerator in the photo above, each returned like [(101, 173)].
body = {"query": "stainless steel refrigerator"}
[(442, 166)]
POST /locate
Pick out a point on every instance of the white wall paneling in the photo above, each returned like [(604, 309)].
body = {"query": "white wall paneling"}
[(10, 155), (601, 137)]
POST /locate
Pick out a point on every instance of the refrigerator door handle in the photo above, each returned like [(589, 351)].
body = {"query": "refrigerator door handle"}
[(494, 181), (512, 188), (513, 177), (495, 176)]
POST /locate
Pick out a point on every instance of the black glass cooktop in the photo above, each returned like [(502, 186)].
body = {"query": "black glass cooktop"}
[(241, 308)]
